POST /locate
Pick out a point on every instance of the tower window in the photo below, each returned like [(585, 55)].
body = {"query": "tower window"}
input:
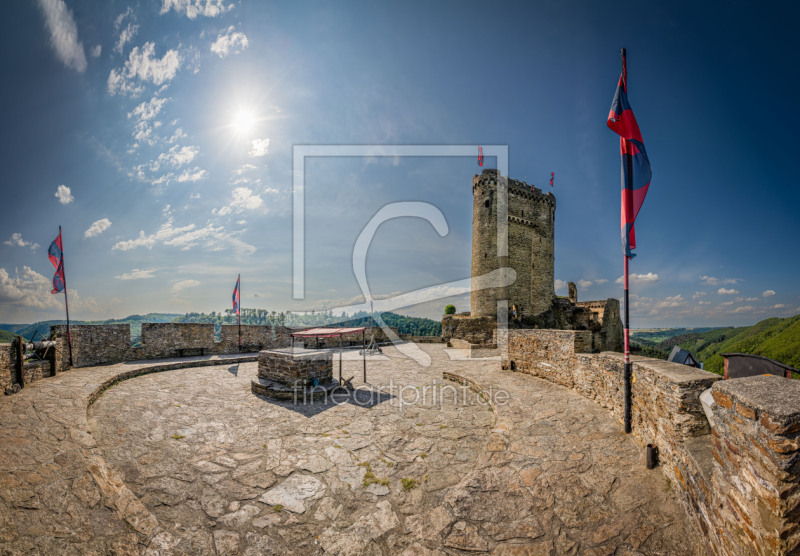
[(488, 203)]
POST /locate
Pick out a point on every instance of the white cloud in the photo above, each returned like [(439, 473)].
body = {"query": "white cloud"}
[(669, 302), (213, 238), (64, 195), (96, 50), (191, 175), (97, 227), (137, 274), (260, 147), (63, 34), (28, 289), (711, 281), (183, 284), (16, 239), (600, 281), (193, 8), (149, 109), (243, 199), (243, 168), (768, 293), (743, 309), (724, 291), (649, 278), (142, 64), (585, 283), (178, 156), (229, 42), (126, 36), (179, 134), (696, 295), (778, 306)]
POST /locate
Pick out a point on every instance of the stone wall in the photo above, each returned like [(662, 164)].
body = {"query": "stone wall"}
[(254, 338), (475, 330), (748, 494), (7, 366), (296, 370), (756, 449), (111, 343)]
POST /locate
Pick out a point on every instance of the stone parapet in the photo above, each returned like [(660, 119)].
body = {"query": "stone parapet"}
[(7, 366), (756, 448), (743, 494), (111, 343), (475, 330)]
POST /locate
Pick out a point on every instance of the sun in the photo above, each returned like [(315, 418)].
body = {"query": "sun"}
[(243, 122)]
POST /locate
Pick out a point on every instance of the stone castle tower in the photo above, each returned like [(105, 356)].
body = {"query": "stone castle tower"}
[(531, 300), (531, 215)]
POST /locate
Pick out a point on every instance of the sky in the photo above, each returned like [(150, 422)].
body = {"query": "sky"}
[(160, 136)]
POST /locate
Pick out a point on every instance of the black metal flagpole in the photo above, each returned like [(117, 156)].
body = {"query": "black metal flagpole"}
[(629, 209), (239, 281), (66, 301)]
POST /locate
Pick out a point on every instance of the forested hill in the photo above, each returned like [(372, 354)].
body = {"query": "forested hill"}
[(406, 325), (775, 338)]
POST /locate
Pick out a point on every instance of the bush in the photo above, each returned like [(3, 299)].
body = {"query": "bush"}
[(450, 310)]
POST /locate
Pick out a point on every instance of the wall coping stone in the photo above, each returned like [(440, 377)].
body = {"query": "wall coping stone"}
[(675, 372), (759, 393)]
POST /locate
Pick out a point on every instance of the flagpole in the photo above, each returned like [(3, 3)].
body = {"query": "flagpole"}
[(629, 209), (239, 281), (66, 301)]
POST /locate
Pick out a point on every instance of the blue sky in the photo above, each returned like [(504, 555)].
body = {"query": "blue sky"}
[(160, 136)]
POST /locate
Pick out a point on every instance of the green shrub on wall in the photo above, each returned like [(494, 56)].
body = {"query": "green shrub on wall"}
[(450, 310)]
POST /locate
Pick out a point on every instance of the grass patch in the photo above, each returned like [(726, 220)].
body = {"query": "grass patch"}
[(408, 483), (277, 507), (423, 455), (178, 436)]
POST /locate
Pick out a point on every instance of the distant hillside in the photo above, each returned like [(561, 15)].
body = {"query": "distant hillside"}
[(27, 331), (658, 342), (775, 338), (406, 325), (655, 336), (6, 337)]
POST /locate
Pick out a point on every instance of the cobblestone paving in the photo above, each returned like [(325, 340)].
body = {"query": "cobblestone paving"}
[(189, 461)]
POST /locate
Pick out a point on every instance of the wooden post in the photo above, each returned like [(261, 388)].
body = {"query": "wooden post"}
[(340, 358), (364, 352)]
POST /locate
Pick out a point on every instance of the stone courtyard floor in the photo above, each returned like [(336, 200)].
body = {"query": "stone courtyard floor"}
[(190, 461)]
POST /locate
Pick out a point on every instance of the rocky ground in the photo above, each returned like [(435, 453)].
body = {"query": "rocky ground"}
[(190, 461)]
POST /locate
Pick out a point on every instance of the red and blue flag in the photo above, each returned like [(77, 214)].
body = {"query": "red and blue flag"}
[(480, 156), (56, 255), (636, 172), (552, 177), (236, 297)]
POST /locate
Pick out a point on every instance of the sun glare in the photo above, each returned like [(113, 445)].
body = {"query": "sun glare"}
[(243, 122)]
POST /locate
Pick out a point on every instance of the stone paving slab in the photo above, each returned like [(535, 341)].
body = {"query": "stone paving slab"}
[(190, 462)]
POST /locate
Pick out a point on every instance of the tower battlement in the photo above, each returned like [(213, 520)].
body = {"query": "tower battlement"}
[(490, 178)]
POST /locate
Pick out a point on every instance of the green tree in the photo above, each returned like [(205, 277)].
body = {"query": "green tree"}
[(450, 310)]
